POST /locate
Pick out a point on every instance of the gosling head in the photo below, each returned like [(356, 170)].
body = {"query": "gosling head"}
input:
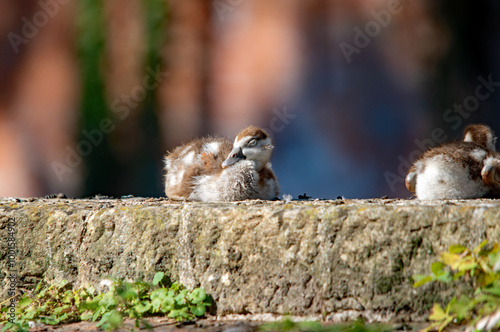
[(252, 144), (480, 134)]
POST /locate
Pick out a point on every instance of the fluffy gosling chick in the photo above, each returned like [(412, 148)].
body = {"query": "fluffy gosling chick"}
[(213, 169), (458, 170)]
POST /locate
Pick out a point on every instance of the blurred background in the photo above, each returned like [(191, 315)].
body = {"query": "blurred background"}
[(94, 92)]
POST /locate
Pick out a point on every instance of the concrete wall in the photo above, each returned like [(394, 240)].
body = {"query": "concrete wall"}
[(334, 259)]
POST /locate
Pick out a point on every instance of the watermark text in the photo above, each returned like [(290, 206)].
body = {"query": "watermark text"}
[(453, 116), (11, 268), (372, 29), (30, 28)]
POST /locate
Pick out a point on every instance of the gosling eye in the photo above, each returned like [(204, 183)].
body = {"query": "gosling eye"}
[(252, 142)]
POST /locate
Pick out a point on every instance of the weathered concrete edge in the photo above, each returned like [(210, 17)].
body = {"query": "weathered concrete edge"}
[(325, 259)]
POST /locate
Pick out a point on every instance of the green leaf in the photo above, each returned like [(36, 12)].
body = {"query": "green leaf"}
[(30, 313), (51, 320), (462, 307), (87, 315), (63, 317), (42, 293), (108, 301), (447, 321), (156, 304), (466, 266), (450, 259), (421, 280), (110, 320), (197, 295), (115, 319), (456, 249), (7, 326), (132, 313), (208, 301), (38, 287), (175, 286), (444, 277), (180, 299), (24, 302), (88, 305), (181, 313), (437, 313), (457, 275), (168, 304), (450, 305), (68, 297), (143, 307), (480, 246), (90, 290), (158, 277), (488, 279), (495, 249), (127, 293), (198, 310), (493, 291), (103, 320), (160, 293), (437, 268), (97, 313)]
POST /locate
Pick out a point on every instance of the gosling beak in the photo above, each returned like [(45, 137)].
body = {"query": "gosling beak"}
[(491, 176), (411, 181), (235, 155)]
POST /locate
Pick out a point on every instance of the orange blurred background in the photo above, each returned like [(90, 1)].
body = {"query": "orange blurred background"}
[(94, 92)]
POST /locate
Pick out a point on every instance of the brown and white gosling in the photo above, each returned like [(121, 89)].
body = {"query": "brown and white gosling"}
[(213, 169), (458, 170)]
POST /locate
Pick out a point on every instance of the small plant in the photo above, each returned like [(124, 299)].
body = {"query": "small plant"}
[(481, 267), (55, 304), (288, 325)]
